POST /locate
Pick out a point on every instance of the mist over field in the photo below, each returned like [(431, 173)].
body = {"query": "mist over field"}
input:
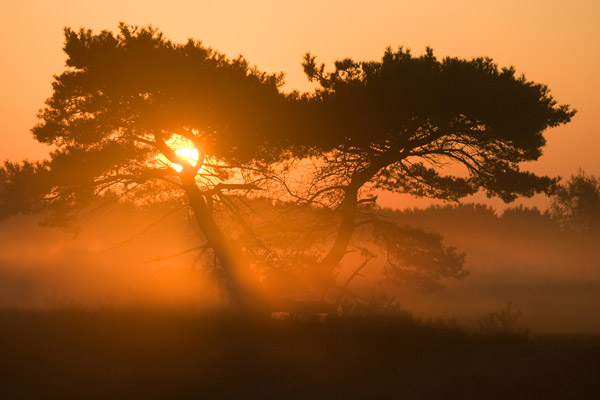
[(49, 267), (521, 257), (121, 258)]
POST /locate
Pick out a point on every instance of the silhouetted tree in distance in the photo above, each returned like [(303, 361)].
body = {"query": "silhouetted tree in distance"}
[(576, 204), (117, 115), (404, 123)]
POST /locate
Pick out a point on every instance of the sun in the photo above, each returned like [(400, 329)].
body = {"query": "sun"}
[(189, 154), (186, 150)]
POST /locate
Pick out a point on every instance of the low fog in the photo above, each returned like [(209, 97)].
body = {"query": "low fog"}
[(124, 257), (113, 259), (521, 257)]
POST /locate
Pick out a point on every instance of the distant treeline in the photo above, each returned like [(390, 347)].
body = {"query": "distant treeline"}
[(574, 212), (477, 216)]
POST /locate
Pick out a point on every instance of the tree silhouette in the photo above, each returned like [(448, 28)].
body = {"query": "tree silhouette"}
[(119, 113), (576, 204), (437, 128), (128, 103)]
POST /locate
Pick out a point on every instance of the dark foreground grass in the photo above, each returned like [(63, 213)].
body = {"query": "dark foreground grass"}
[(117, 354)]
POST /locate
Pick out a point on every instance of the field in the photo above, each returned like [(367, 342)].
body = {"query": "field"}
[(77, 353)]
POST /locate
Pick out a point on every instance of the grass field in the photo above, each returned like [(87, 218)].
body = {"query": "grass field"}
[(75, 353)]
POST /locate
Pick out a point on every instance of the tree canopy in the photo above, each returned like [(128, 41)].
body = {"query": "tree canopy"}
[(406, 117), (123, 98)]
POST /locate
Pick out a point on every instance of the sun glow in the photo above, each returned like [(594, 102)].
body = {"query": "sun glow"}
[(190, 155)]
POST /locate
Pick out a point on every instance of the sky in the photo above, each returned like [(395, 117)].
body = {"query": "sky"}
[(553, 42)]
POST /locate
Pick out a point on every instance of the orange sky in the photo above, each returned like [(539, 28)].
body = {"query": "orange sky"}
[(554, 42)]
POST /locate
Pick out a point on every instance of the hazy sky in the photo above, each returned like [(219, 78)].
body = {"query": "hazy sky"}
[(554, 42)]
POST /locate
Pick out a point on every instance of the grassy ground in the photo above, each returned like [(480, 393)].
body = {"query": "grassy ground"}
[(154, 354)]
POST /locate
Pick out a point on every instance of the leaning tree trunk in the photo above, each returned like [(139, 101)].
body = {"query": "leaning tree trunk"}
[(339, 248), (229, 256), (348, 209)]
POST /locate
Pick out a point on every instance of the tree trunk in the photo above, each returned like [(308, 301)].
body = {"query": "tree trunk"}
[(348, 210), (229, 255), (340, 245)]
